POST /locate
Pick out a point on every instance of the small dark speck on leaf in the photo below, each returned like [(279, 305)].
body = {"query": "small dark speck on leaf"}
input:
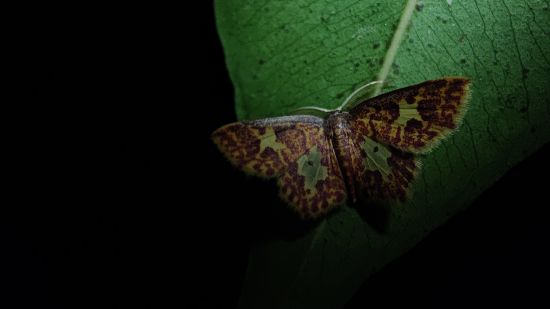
[(375, 149), (340, 95), (261, 61), (411, 41), (430, 45), (462, 60), (396, 68), (524, 72), (357, 64), (375, 45), (419, 6)]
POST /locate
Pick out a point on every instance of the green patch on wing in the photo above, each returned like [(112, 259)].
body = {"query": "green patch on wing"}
[(309, 166), (408, 112), (377, 157), (270, 140)]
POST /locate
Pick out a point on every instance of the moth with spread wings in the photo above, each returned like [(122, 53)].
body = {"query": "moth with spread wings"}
[(368, 153)]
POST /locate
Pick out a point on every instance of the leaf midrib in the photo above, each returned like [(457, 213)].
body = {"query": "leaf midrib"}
[(389, 58)]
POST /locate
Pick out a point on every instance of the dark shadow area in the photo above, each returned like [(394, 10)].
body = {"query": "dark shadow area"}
[(492, 254), (376, 214), (256, 204)]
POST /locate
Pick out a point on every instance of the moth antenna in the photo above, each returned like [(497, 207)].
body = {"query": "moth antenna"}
[(348, 99), (319, 109), (352, 95)]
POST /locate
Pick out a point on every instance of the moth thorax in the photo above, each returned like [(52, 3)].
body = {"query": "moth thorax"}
[(338, 122)]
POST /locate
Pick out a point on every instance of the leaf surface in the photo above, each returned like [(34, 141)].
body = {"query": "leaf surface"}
[(285, 54)]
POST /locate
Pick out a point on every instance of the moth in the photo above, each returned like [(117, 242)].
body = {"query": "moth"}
[(363, 152)]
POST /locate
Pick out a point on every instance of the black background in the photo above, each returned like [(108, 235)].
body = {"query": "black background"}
[(121, 199)]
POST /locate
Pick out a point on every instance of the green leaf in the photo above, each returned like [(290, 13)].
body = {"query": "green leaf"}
[(285, 54)]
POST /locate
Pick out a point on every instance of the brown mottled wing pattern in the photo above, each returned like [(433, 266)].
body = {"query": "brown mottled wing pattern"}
[(296, 150), (391, 128), (415, 118)]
